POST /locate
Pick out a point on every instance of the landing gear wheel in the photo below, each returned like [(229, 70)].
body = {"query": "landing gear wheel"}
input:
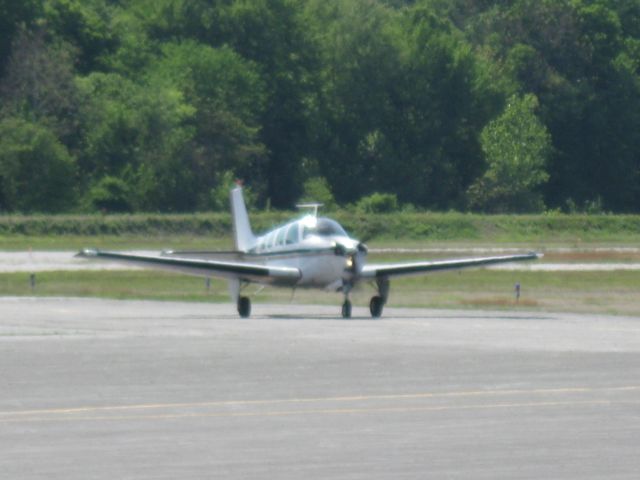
[(346, 309), (244, 307), (375, 306)]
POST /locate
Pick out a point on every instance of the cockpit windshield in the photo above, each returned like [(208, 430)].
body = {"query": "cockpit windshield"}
[(325, 227)]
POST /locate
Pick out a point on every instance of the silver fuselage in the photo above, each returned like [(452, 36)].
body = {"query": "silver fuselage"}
[(325, 258)]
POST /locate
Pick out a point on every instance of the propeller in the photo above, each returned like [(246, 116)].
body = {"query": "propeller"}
[(343, 250), (354, 257)]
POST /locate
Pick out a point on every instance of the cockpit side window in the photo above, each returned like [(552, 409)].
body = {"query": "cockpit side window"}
[(281, 235), (306, 231), (292, 234), (271, 240)]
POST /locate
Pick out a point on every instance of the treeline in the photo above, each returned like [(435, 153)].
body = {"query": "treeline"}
[(159, 105)]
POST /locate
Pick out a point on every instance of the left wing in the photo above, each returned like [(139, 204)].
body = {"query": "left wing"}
[(419, 268), (203, 268)]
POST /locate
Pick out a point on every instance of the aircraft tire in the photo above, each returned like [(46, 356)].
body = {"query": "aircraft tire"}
[(375, 306), (244, 307), (346, 309)]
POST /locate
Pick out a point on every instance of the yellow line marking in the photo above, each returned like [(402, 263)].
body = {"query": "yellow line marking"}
[(333, 411), (355, 398)]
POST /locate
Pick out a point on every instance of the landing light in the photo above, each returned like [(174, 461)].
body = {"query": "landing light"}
[(349, 262)]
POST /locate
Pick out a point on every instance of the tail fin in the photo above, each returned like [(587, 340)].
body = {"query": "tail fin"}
[(244, 237)]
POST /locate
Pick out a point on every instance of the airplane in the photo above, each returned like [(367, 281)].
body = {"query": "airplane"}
[(309, 252)]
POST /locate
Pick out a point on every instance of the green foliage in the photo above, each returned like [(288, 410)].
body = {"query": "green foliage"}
[(84, 24), (14, 15), (378, 203), (406, 98), (214, 230), (134, 50), (141, 132), (447, 95), (109, 195), (227, 95), (359, 67), (517, 146), (172, 96), (220, 200), (37, 173), (317, 190), (272, 34), (39, 84), (217, 76)]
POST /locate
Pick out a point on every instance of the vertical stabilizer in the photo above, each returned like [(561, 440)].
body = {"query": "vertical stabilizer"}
[(244, 237)]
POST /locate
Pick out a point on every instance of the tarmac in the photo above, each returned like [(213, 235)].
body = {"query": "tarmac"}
[(106, 389)]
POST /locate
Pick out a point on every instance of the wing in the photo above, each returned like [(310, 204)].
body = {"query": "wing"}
[(202, 268), (419, 268)]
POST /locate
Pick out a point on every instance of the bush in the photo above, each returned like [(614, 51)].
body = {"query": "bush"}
[(110, 194), (316, 189), (378, 203), (37, 172)]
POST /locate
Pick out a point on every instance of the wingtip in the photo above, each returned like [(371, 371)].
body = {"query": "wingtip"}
[(87, 253)]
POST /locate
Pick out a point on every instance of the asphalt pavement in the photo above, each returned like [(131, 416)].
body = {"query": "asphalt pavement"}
[(105, 389)]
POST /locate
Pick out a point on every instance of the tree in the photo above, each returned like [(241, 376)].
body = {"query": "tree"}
[(228, 98), (141, 133), (14, 15), (517, 146), (171, 97), (402, 103), (580, 58), (39, 84), (445, 95), (271, 33), (86, 25), (360, 66), (133, 48), (317, 189), (37, 173)]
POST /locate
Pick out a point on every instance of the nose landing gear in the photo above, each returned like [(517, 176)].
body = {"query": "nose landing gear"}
[(346, 309)]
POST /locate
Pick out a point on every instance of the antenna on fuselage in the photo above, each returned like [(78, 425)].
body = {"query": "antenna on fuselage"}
[(313, 206)]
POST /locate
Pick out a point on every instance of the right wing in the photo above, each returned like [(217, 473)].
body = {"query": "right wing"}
[(419, 268), (202, 268)]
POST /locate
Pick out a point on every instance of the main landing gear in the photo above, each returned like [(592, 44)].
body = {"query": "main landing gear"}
[(376, 305), (244, 307)]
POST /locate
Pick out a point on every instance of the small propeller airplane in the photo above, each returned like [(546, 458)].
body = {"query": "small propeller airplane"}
[(310, 252)]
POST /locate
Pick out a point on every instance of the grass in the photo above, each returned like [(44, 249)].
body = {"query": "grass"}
[(107, 284), (603, 292), (582, 292), (586, 292), (209, 230)]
